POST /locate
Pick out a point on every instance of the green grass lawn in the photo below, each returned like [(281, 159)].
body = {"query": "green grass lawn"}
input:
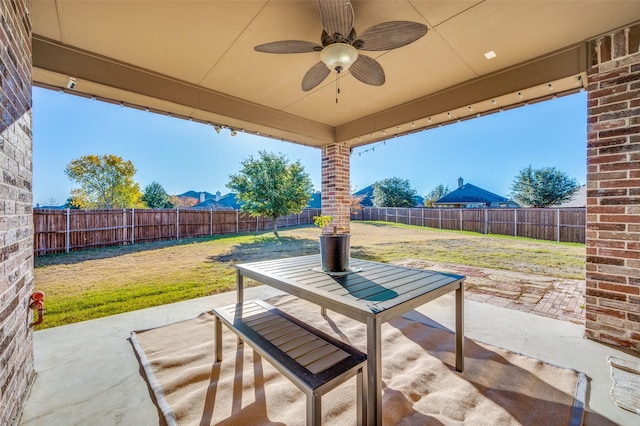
[(95, 283)]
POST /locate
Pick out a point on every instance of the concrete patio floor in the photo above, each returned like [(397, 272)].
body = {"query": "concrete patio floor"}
[(87, 372)]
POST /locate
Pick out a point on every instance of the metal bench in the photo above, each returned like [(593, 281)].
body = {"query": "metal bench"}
[(314, 361)]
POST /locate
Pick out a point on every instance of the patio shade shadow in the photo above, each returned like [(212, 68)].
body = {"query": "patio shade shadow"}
[(364, 288)]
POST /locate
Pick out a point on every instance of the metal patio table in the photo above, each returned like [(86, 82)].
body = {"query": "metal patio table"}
[(370, 292)]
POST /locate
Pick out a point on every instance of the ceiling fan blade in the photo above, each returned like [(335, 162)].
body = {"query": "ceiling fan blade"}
[(336, 16), (368, 71), (315, 76), (391, 35), (289, 46)]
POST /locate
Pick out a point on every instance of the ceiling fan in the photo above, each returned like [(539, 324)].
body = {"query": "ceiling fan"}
[(340, 44)]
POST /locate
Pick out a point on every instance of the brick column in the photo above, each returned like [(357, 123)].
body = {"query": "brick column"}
[(16, 221), (613, 189), (336, 186)]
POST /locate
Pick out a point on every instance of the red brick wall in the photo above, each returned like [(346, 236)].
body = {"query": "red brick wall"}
[(16, 222), (613, 189), (336, 185)]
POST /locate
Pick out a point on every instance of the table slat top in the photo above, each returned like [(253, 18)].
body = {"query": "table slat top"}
[(369, 287)]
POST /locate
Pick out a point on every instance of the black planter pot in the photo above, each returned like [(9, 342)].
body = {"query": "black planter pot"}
[(335, 252)]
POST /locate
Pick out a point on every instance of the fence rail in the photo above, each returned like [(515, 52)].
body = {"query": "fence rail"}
[(566, 224), (58, 231)]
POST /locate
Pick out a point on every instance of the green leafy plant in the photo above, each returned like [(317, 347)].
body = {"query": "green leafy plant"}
[(323, 221)]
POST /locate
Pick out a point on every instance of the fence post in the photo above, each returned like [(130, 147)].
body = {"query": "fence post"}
[(439, 219), (558, 224), (461, 219), (211, 221), (67, 233), (133, 227), (396, 215), (257, 223), (486, 221), (237, 220), (515, 222), (177, 223)]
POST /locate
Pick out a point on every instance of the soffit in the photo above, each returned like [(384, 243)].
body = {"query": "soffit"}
[(196, 59)]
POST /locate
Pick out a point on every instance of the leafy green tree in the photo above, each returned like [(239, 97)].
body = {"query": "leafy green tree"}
[(106, 182), (393, 192), (156, 197), (72, 203), (543, 187), (435, 194), (270, 186)]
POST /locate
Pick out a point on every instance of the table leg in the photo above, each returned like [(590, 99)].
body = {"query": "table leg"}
[(460, 327), (218, 339), (240, 294), (240, 286), (374, 372)]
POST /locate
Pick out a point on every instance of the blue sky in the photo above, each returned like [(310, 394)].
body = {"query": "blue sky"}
[(182, 155)]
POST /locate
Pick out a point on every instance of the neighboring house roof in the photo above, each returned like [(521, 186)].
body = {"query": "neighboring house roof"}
[(367, 201), (196, 195), (227, 201), (367, 192), (230, 201), (579, 199), (470, 194)]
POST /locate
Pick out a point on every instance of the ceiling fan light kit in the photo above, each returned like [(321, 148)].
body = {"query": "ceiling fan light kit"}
[(339, 56), (340, 44)]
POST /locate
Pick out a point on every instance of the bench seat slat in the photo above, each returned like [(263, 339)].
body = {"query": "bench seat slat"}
[(295, 334), (292, 344), (271, 335), (313, 357), (309, 347), (266, 324), (326, 361)]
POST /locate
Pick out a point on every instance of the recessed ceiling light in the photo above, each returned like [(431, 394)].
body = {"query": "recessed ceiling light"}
[(490, 54)]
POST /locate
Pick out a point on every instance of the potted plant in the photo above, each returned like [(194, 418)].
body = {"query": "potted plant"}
[(334, 247)]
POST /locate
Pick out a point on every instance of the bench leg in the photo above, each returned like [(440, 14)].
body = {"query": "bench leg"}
[(361, 396), (323, 311), (314, 409), (218, 339)]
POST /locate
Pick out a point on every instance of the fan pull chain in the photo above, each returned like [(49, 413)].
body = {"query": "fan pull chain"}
[(337, 84)]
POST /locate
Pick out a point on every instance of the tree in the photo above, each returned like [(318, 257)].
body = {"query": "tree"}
[(355, 203), (543, 187), (156, 197), (435, 194), (106, 182), (393, 192), (272, 187), (71, 203), (183, 202)]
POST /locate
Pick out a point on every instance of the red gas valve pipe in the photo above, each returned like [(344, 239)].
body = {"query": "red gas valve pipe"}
[(36, 303)]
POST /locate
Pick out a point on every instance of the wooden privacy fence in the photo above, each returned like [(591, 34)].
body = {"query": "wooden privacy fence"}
[(566, 224), (58, 231)]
